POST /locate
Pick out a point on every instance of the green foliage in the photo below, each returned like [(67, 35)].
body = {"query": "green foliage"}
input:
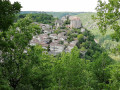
[(86, 42), (39, 17), (57, 31), (61, 42), (107, 17), (7, 13), (16, 62), (7, 17), (80, 38), (67, 22), (72, 34), (108, 14), (40, 76), (4, 85), (104, 41), (99, 68), (70, 72), (114, 76)]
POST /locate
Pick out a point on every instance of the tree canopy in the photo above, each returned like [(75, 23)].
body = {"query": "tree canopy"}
[(7, 13), (108, 16)]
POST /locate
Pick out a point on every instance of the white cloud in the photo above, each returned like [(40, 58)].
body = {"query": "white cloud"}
[(58, 5)]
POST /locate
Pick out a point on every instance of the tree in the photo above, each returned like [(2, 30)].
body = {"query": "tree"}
[(43, 18), (39, 76), (80, 38), (108, 15), (71, 72), (99, 65), (114, 80), (16, 63), (4, 85), (7, 13), (7, 17)]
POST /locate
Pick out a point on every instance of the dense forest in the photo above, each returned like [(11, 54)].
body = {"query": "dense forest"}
[(87, 67)]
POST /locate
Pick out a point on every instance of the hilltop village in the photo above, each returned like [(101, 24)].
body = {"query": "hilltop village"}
[(55, 39)]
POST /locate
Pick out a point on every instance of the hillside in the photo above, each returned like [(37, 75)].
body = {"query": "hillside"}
[(55, 14), (104, 40)]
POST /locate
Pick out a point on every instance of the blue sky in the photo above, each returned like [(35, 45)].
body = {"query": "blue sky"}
[(58, 5)]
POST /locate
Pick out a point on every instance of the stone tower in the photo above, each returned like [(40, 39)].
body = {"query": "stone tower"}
[(75, 22)]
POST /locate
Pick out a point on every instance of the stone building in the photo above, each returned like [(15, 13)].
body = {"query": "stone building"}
[(41, 39), (47, 31), (46, 28), (56, 48), (58, 23), (53, 36), (75, 22), (71, 46), (44, 46), (61, 36)]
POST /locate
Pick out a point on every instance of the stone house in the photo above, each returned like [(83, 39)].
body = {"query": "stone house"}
[(56, 41), (47, 31), (59, 23), (44, 46), (66, 42), (43, 38), (71, 46), (46, 28), (74, 42), (56, 48), (68, 26), (61, 36), (53, 36)]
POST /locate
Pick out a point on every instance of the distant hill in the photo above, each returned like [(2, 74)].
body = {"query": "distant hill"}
[(28, 12), (55, 14), (61, 14)]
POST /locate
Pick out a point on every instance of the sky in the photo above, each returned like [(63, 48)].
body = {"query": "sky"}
[(58, 5)]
